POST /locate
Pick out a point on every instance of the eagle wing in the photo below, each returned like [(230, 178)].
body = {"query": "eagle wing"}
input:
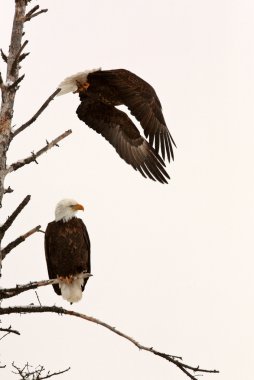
[(87, 243), (49, 253), (143, 102), (116, 127)]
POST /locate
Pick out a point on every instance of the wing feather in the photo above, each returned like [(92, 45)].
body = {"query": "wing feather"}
[(116, 127), (143, 102)]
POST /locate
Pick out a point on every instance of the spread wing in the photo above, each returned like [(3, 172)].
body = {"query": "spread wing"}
[(143, 102), (120, 131)]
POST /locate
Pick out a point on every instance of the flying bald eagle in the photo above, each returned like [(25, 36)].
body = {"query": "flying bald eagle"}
[(67, 250), (100, 91)]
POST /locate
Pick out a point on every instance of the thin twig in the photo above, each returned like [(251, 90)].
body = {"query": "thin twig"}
[(4, 56), (34, 9), (26, 372), (58, 310), (38, 299), (8, 190), (19, 164), (13, 216), (37, 114), (16, 60), (19, 240), (14, 85), (23, 56), (9, 330), (32, 13)]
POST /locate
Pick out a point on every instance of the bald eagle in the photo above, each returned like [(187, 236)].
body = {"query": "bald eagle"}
[(100, 91), (67, 251)]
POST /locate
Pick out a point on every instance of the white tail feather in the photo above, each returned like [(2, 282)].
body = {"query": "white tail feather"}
[(72, 292), (69, 84)]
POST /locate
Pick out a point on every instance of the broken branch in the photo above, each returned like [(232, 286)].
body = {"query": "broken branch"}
[(4, 56), (16, 60), (14, 85), (32, 13), (8, 190)]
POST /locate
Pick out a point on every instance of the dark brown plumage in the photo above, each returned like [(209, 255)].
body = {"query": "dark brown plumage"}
[(67, 249), (120, 86), (100, 92)]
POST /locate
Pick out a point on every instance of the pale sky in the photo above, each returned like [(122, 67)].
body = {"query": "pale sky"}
[(172, 264)]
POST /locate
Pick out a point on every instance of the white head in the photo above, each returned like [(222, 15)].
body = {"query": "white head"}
[(69, 84), (66, 209)]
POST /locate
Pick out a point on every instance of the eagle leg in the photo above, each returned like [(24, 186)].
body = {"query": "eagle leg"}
[(66, 279)]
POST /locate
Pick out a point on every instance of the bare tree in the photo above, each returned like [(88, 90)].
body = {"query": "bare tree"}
[(28, 372), (9, 88)]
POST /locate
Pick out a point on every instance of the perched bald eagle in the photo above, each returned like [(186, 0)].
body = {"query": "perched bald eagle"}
[(100, 91), (67, 250)]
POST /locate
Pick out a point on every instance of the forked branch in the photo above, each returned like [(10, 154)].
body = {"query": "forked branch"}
[(37, 373), (32, 13), (187, 369), (8, 330)]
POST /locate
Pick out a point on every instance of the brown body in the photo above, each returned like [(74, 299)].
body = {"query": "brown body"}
[(109, 88), (67, 249)]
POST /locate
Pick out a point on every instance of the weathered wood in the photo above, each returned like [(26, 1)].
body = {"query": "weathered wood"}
[(9, 91)]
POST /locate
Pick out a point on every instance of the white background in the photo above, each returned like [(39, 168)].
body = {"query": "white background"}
[(172, 264)]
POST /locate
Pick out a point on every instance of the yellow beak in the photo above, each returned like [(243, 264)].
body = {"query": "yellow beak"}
[(78, 207)]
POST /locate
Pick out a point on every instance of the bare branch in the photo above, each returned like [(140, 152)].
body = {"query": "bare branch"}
[(12, 292), (15, 84), (19, 164), (8, 331), (16, 60), (8, 190), (59, 310), (37, 114), (32, 13), (13, 216), (34, 9), (19, 240), (37, 374), (4, 57), (23, 56)]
